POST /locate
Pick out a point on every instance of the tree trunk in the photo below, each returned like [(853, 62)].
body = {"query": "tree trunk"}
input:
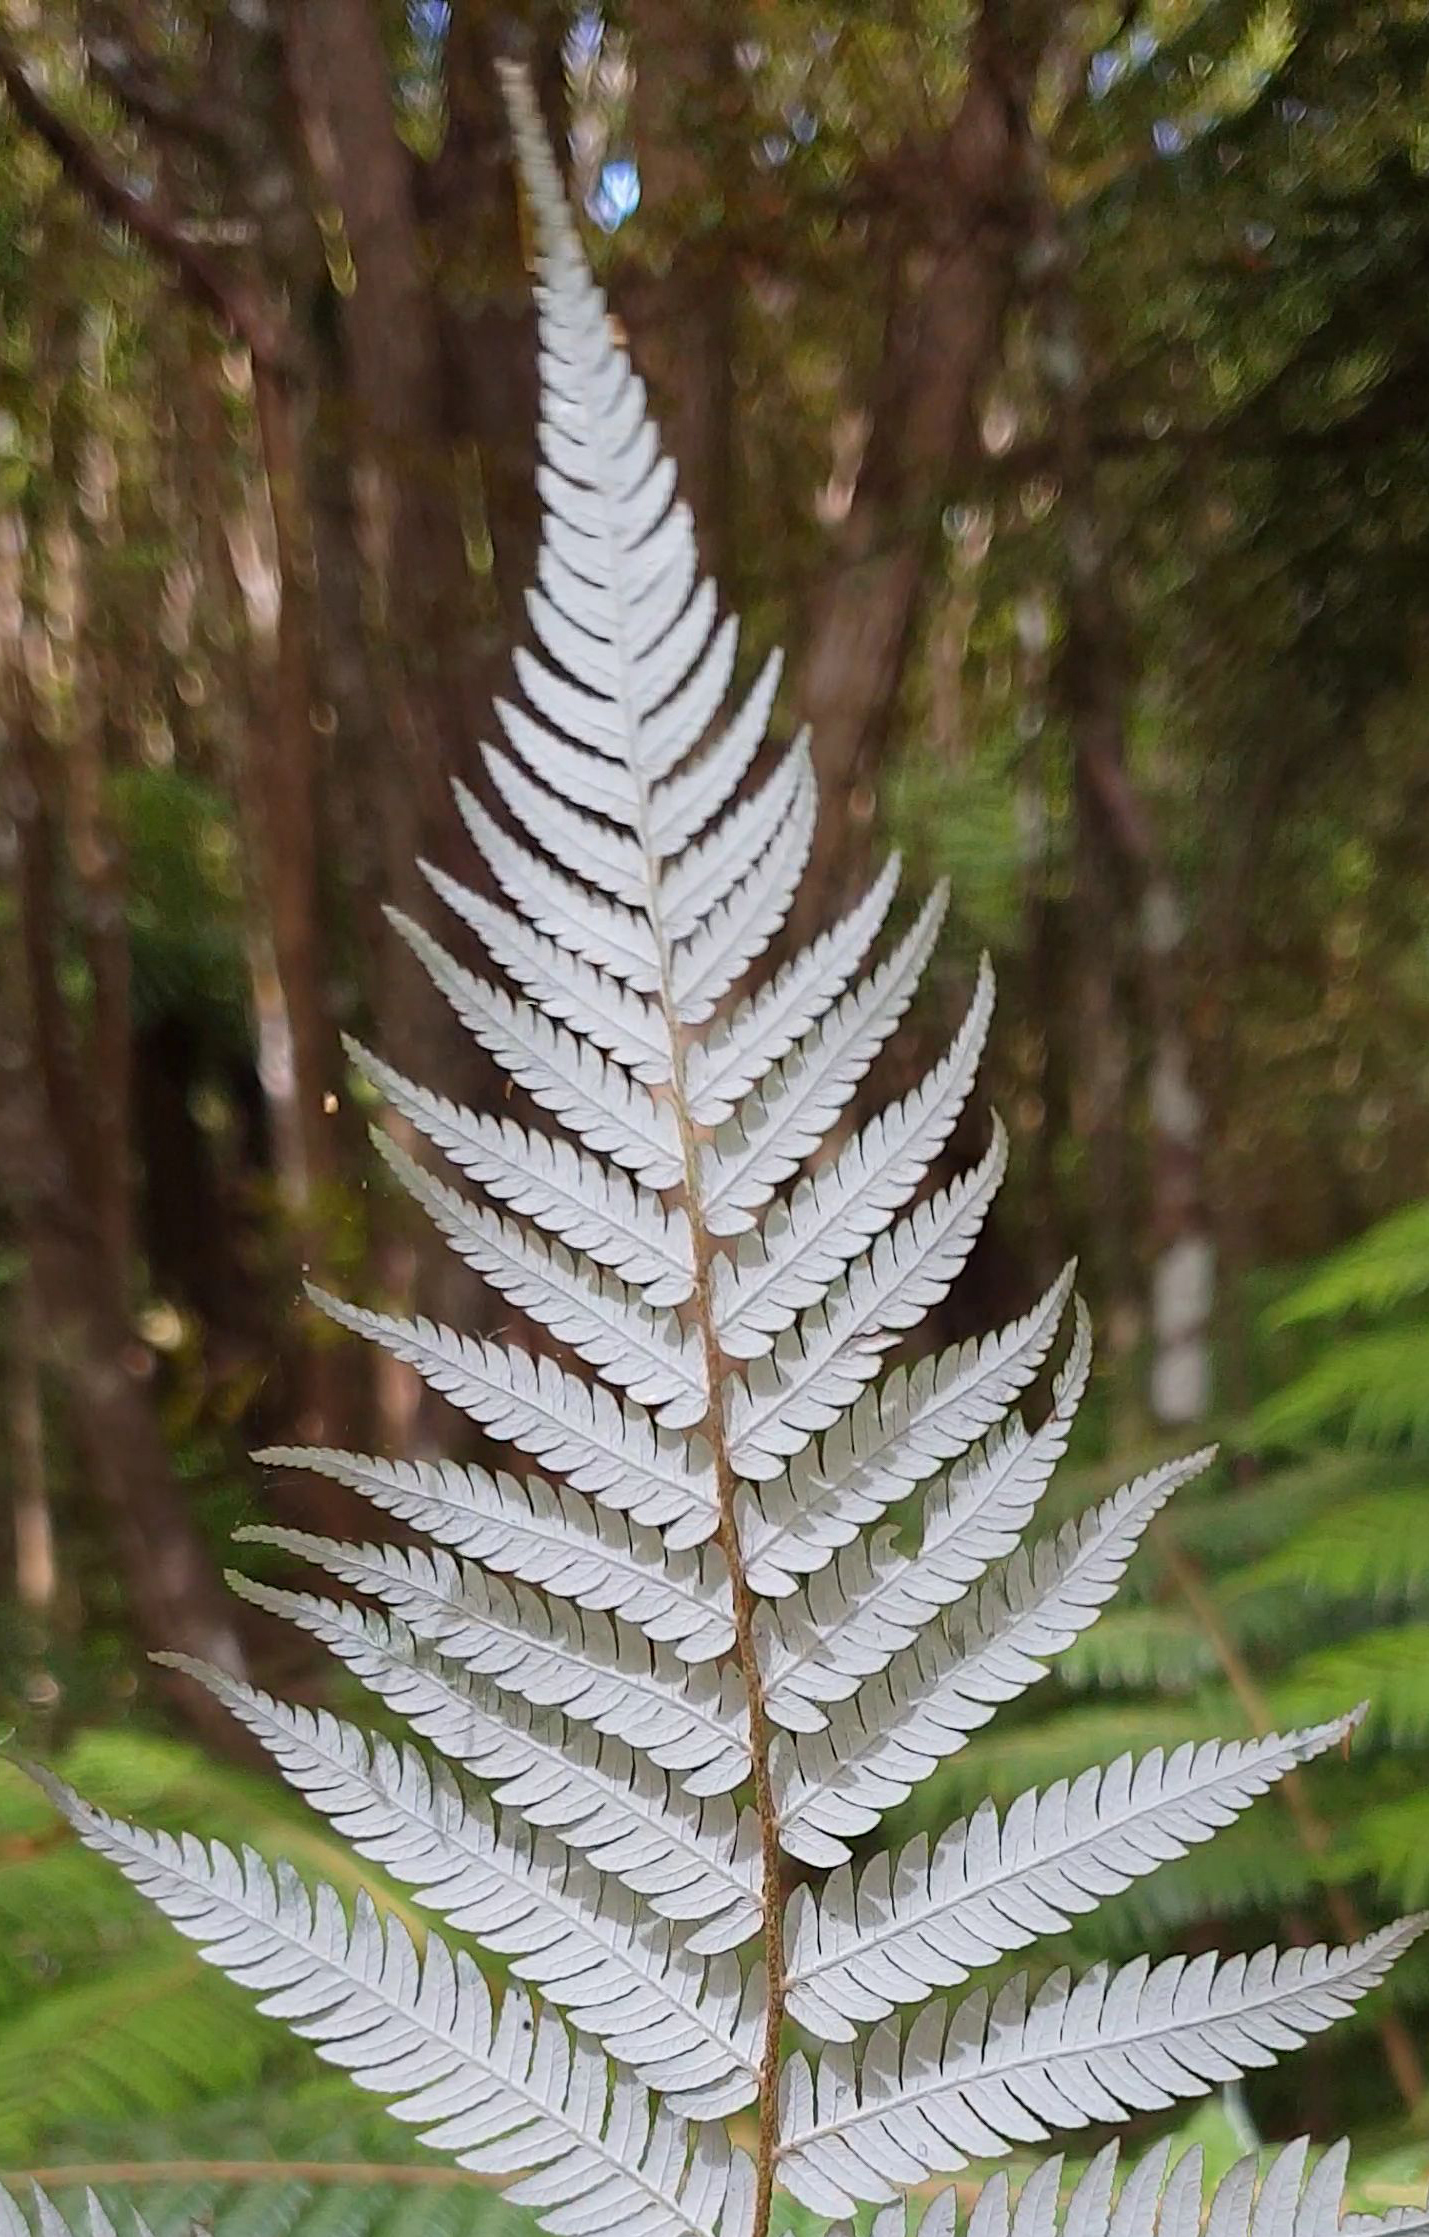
[(485, 321), (94, 858), (677, 299), (960, 211), (1130, 917), (174, 1593), (33, 1524)]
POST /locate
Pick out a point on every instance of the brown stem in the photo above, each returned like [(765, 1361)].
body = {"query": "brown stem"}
[(746, 1651), (745, 1647), (148, 2172), (1400, 2054), (742, 1601)]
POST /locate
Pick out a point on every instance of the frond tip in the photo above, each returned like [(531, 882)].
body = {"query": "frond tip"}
[(692, 1647)]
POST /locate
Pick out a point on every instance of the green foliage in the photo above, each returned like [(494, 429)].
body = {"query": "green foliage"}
[(210, 2166), (105, 2015), (959, 820), (1317, 1568), (185, 905), (1374, 1384), (1383, 1268)]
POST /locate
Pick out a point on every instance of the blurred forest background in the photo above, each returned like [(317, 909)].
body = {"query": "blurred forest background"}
[(1053, 381)]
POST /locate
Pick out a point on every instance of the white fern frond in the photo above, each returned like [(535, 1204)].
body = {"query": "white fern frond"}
[(588, 1092), (1287, 2197), (836, 1783), (737, 1052), (703, 878), (841, 1206), (590, 1001), (1281, 2202), (1132, 2039), (1290, 2195), (688, 1718), (571, 1195), (693, 1859), (686, 2025), (601, 785), (548, 1536), (872, 1600), (617, 940), (706, 963), (918, 1922), (788, 1117), (891, 1441), (636, 1347), (49, 2222), (789, 1268), (697, 1599), (500, 2091), (607, 859), (820, 1367), (611, 1450), (686, 802)]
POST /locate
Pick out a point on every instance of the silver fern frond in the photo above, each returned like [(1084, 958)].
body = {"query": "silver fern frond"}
[(1288, 2196), (690, 1654)]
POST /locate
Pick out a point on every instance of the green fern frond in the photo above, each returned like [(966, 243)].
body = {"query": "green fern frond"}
[(1376, 1547), (1373, 1387), (1159, 1645), (149, 2037), (1135, 1648), (1391, 1842), (1387, 1668), (1376, 1272)]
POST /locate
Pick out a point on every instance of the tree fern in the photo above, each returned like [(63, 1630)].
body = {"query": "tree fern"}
[(664, 1677)]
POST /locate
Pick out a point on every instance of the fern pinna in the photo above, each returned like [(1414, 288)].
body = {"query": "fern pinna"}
[(689, 1666)]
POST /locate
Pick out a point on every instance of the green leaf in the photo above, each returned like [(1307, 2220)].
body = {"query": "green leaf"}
[(1379, 1270), (1375, 1388), (1376, 1546)]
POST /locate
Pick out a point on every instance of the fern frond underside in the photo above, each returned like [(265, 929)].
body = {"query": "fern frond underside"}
[(682, 1652)]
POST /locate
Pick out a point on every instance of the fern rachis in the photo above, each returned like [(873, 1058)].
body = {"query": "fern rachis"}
[(653, 1682)]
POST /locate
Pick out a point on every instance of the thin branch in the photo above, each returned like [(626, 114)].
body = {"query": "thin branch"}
[(232, 302), (146, 2172)]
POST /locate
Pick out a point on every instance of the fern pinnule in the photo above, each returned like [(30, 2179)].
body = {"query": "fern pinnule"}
[(654, 1684), (1288, 2196)]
